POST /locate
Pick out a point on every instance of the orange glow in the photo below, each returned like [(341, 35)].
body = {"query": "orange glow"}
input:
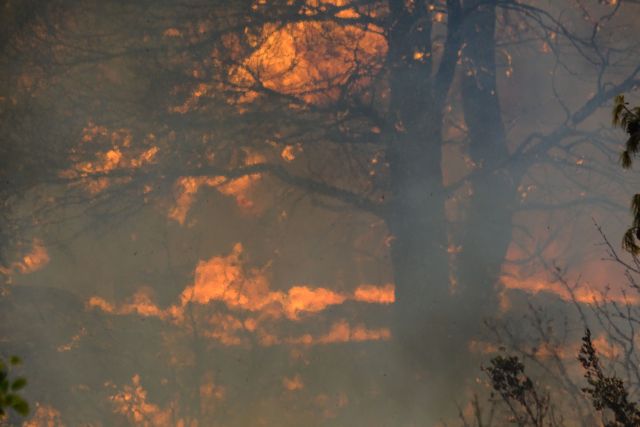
[(342, 332), (140, 304), (605, 347), (172, 32), (289, 152), (121, 156), (583, 294), (73, 343), (226, 280), (301, 299), (44, 416), (294, 59), (187, 187), (294, 383), (36, 259), (535, 278), (132, 403), (376, 294), (225, 328)]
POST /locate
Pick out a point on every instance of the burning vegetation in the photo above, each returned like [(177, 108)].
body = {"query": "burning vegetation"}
[(327, 211)]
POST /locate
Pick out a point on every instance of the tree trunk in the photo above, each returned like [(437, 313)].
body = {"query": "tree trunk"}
[(425, 327), (487, 229)]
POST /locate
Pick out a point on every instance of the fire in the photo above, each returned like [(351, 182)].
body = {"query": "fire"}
[(140, 304), (587, 284), (376, 294), (342, 332), (582, 294), (294, 59), (36, 259), (294, 383), (187, 187), (73, 343), (252, 305), (132, 403), (225, 328), (45, 416), (301, 299), (121, 156), (240, 188), (288, 153), (224, 279)]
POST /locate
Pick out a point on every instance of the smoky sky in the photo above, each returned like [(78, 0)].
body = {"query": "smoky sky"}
[(276, 213)]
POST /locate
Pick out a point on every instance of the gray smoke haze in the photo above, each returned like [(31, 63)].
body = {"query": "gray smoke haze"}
[(301, 213)]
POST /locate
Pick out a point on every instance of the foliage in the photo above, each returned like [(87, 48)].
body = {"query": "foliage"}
[(10, 388), (606, 392), (528, 406), (629, 120)]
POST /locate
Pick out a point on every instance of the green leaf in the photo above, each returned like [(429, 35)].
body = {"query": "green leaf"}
[(21, 407), (10, 399), (19, 384), (15, 360)]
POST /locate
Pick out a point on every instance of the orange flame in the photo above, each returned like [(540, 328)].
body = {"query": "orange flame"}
[(187, 187), (36, 259), (292, 59), (294, 383), (342, 332), (45, 416), (225, 279), (132, 403), (376, 294), (121, 155)]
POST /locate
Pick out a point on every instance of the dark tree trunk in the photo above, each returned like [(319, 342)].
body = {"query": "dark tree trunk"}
[(487, 230), (425, 329), (433, 325)]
